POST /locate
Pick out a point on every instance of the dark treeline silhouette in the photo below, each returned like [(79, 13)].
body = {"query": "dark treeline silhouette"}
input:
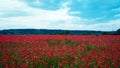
[(59, 32)]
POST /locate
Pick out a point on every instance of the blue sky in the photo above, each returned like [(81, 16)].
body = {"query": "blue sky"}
[(60, 14)]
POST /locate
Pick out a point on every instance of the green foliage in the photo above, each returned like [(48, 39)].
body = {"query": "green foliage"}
[(52, 43), (40, 65), (97, 35), (0, 57), (53, 63), (90, 47), (84, 52), (23, 43), (86, 49), (70, 42), (59, 42)]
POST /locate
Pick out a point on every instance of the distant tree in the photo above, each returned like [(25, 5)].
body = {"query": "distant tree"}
[(88, 33), (67, 32), (118, 31), (105, 33)]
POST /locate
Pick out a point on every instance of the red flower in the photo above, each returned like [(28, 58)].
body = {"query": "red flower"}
[(45, 63), (76, 57), (41, 60), (100, 63), (83, 59), (60, 64), (6, 66)]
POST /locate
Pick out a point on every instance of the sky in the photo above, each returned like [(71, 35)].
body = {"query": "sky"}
[(102, 15)]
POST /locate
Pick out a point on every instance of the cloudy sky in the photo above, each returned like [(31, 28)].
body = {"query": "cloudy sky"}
[(103, 15)]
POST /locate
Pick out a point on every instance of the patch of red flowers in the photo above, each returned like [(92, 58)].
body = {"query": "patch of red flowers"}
[(59, 51)]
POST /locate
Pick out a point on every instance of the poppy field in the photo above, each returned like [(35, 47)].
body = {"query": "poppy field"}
[(59, 51)]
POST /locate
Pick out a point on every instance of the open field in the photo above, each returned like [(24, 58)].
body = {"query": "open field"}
[(59, 51)]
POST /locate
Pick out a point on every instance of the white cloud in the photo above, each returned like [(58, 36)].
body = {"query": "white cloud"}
[(118, 15), (48, 19), (106, 26), (11, 5), (37, 2), (75, 12), (38, 18), (116, 9)]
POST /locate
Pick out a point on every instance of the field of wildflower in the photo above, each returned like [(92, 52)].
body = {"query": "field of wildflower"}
[(59, 51)]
